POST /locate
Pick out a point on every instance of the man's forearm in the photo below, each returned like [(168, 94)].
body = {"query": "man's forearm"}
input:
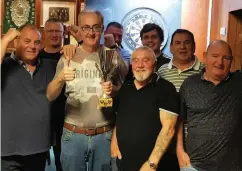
[(114, 137), (54, 88), (162, 143), (4, 46), (179, 145)]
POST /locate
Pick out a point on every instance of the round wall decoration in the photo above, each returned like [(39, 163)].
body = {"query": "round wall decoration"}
[(134, 21)]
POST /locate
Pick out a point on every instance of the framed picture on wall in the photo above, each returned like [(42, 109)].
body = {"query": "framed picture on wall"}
[(63, 10)]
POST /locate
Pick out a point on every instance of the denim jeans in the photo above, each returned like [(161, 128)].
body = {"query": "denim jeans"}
[(80, 152), (189, 168)]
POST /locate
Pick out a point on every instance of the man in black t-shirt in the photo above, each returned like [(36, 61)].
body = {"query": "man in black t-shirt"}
[(152, 36), (147, 111), (53, 37), (212, 103)]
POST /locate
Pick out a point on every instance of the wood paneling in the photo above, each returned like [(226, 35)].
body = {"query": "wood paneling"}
[(195, 18), (234, 30)]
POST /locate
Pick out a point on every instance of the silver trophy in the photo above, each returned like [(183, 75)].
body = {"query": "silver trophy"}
[(106, 67)]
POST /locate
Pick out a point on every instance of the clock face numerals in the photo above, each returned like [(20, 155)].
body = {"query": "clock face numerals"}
[(134, 21)]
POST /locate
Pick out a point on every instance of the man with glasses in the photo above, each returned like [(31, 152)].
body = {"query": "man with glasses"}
[(211, 102), (87, 127)]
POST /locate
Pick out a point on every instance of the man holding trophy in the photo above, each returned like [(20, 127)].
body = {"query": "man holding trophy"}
[(92, 77)]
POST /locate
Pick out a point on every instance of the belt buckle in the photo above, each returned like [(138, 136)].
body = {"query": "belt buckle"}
[(88, 129)]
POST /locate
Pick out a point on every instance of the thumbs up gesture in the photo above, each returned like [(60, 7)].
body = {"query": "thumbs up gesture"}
[(69, 72)]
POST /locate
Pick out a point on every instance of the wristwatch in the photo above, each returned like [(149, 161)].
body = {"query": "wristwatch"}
[(152, 165)]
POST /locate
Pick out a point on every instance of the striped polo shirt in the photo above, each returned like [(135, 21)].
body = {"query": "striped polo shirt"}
[(171, 73)]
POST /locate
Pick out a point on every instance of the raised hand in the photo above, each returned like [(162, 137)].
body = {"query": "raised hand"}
[(109, 40), (11, 35), (76, 32)]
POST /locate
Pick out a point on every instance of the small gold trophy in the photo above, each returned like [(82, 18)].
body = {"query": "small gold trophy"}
[(107, 67)]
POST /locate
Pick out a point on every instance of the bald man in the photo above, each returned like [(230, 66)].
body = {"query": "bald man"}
[(211, 102)]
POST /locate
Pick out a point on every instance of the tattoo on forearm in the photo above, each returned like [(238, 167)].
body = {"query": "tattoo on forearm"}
[(165, 134), (162, 143)]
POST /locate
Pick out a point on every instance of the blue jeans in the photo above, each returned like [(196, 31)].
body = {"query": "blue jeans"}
[(80, 152), (189, 168)]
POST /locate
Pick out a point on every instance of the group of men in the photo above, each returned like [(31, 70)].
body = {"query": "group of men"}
[(44, 91)]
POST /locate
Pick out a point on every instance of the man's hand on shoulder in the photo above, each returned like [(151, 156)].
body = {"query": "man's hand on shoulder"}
[(68, 51)]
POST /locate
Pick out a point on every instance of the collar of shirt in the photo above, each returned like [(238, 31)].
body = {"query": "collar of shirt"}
[(20, 62), (195, 65), (203, 78)]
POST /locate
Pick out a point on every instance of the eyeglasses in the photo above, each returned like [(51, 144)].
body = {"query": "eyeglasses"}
[(86, 29), (54, 31)]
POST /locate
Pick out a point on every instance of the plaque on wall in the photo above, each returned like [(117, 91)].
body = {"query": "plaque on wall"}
[(18, 13), (134, 21)]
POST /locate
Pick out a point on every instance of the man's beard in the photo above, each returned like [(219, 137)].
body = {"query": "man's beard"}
[(142, 75)]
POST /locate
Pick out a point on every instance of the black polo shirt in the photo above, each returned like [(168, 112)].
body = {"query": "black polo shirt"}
[(25, 110), (214, 117), (138, 119)]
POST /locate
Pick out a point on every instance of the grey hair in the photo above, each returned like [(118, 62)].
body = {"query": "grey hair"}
[(144, 48), (86, 11)]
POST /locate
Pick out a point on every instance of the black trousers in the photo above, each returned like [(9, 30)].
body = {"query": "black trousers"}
[(35, 162)]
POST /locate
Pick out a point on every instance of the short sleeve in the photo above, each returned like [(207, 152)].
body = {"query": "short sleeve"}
[(168, 98)]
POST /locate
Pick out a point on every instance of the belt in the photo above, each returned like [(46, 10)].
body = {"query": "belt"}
[(87, 131)]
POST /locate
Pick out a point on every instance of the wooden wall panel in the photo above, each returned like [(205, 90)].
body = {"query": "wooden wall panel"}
[(195, 18), (234, 30)]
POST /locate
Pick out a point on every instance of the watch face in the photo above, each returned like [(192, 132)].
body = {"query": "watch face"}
[(134, 21)]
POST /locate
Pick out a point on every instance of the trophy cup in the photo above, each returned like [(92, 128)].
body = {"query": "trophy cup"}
[(107, 67)]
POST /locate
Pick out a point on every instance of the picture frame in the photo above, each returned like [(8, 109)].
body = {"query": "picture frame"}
[(63, 10)]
